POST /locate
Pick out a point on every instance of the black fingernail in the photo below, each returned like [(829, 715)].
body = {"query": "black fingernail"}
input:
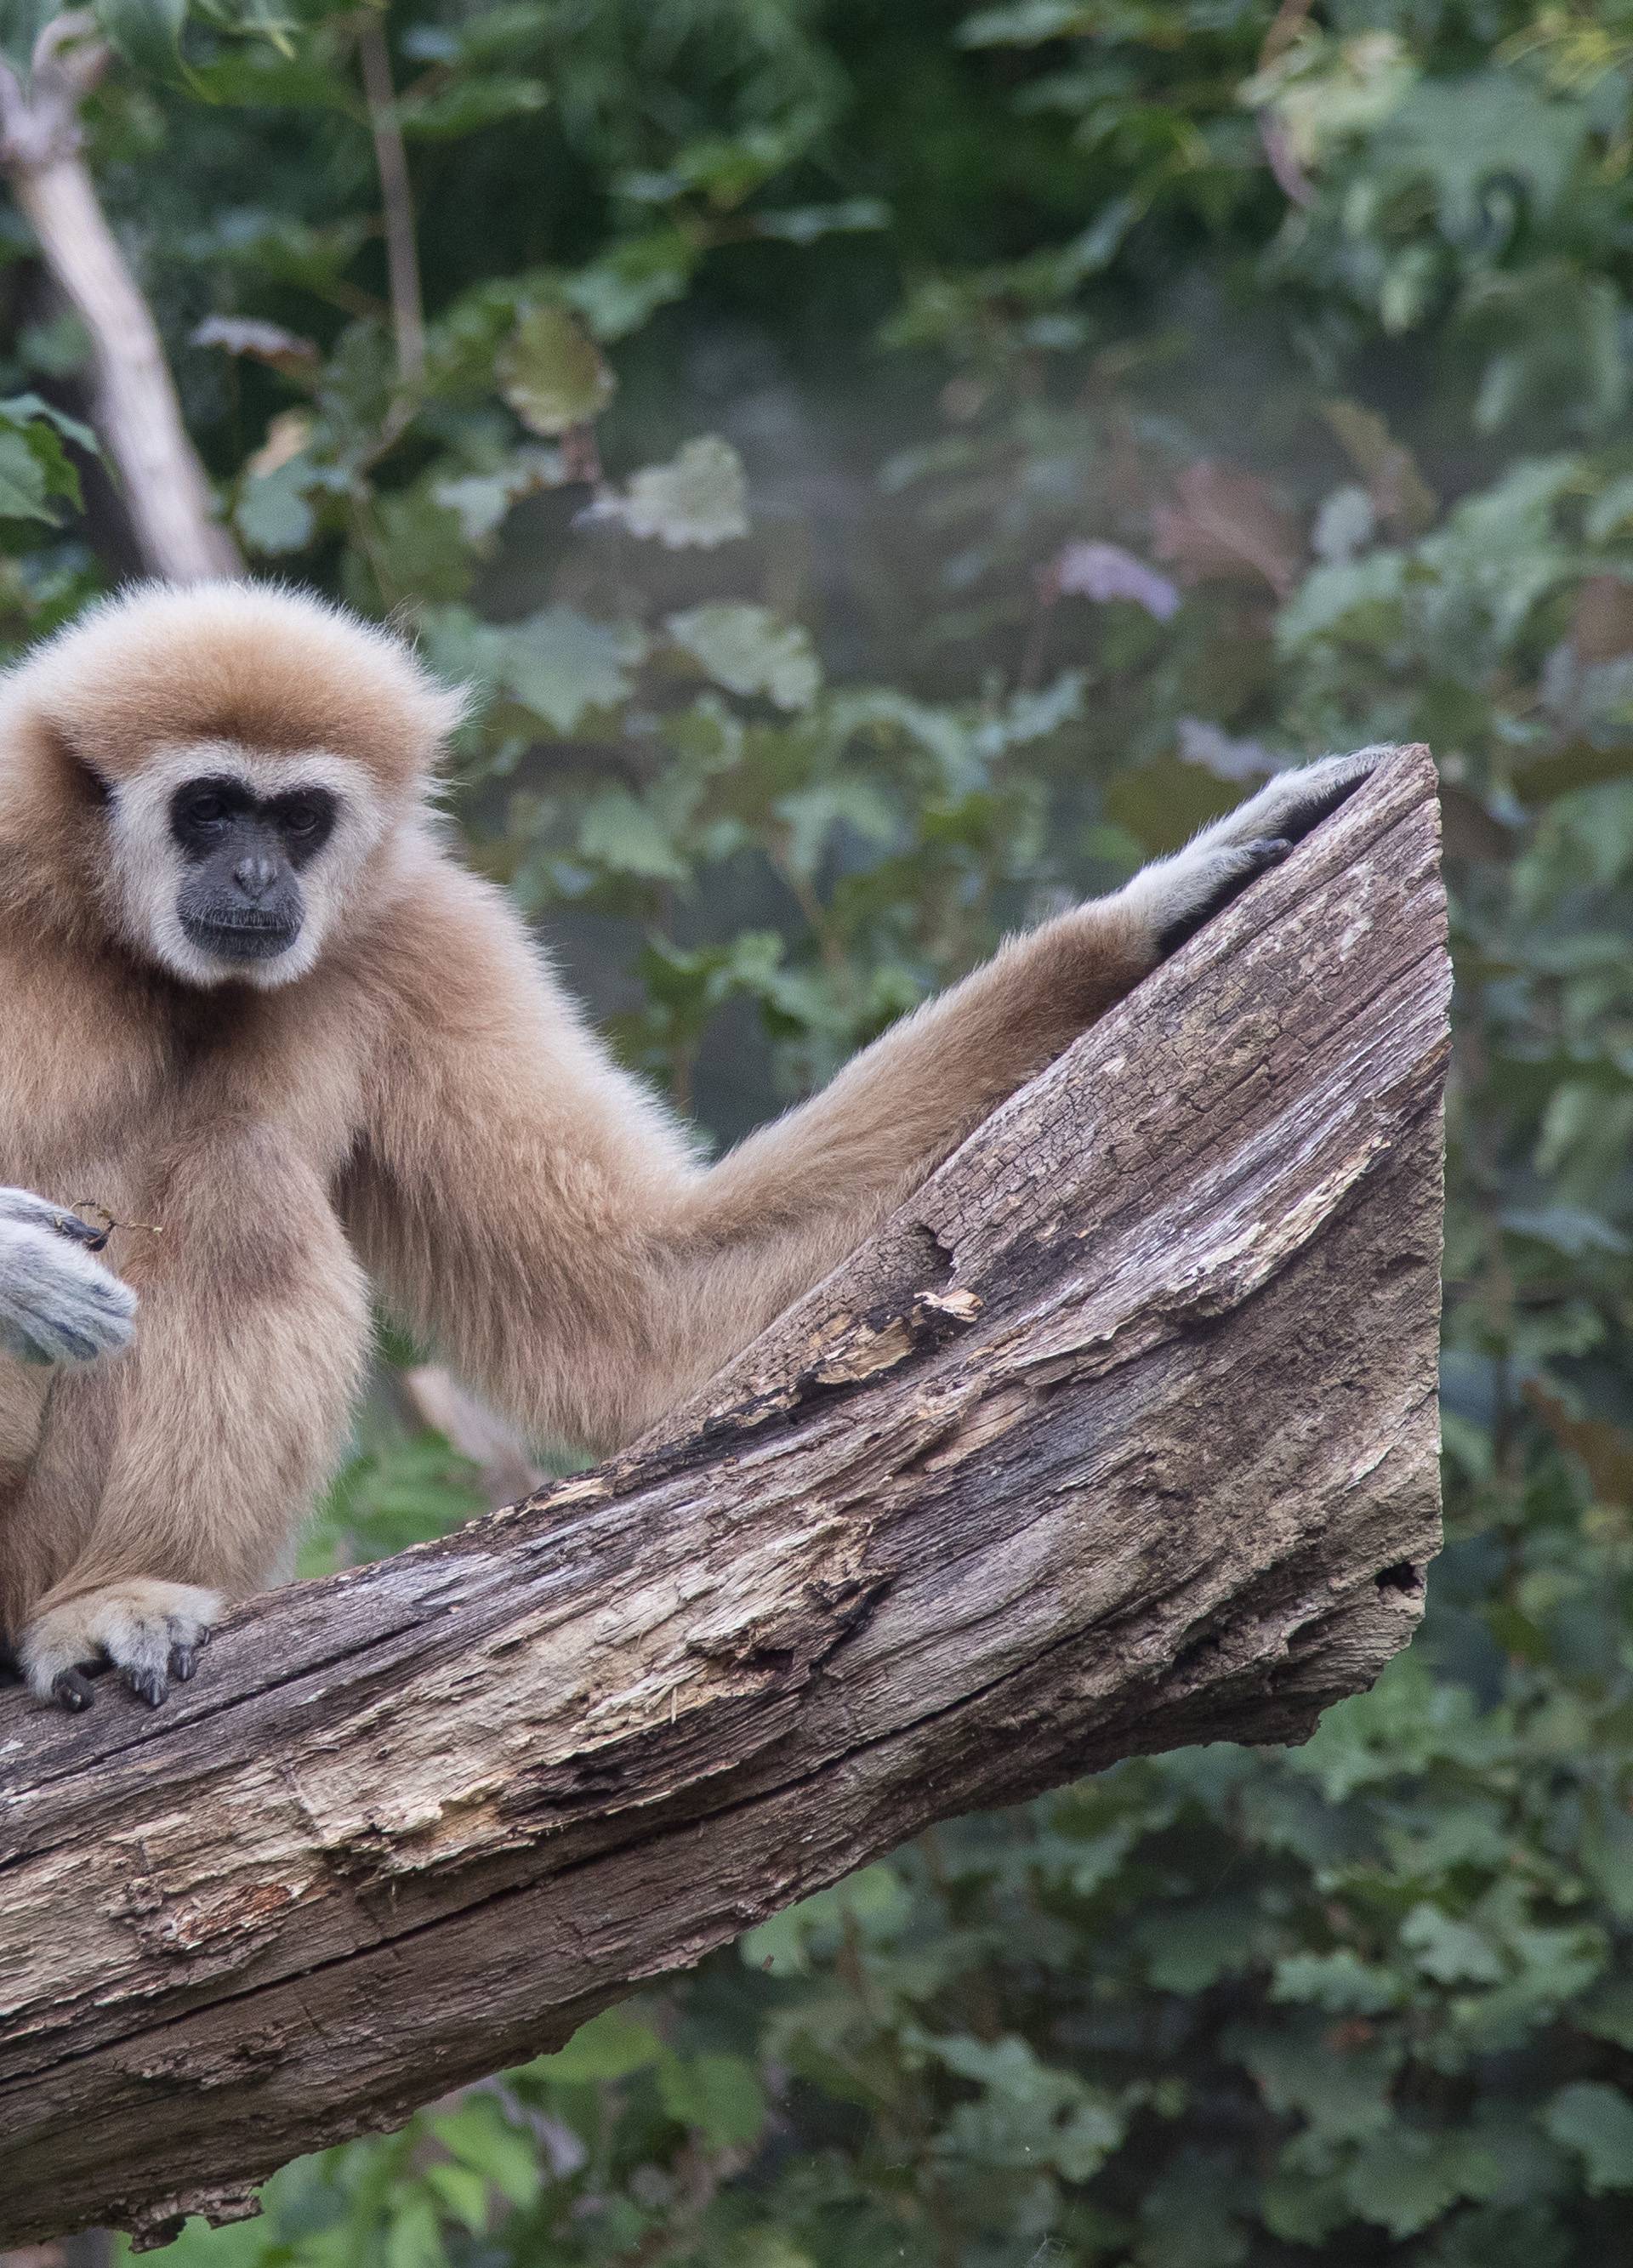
[(181, 1663), (77, 1231), (71, 1691), (148, 1685)]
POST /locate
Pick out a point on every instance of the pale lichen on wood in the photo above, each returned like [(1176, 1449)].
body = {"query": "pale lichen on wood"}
[(1121, 1434)]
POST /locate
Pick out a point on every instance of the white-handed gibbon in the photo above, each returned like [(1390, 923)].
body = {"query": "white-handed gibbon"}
[(248, 995)]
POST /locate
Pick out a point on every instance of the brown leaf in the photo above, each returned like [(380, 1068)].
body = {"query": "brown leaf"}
[(1601, 621), (269, 343), (1402, 498), (1605, 1449), (1227, 524)]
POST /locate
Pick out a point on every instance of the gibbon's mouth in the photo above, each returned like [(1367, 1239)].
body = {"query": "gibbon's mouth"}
[(248, 937)]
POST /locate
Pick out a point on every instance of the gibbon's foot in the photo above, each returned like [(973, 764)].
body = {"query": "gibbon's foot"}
[(148, 1630), (1178, 894), (59, 1303)]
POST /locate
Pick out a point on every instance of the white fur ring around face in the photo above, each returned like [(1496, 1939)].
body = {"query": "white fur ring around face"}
[(59, 1303)]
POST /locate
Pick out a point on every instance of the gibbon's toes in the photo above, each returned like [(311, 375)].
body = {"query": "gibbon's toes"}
[(72, 1690), (149, 1685), (149, 1632)]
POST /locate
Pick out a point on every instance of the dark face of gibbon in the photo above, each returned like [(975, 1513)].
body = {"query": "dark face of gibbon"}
[(240, 899)]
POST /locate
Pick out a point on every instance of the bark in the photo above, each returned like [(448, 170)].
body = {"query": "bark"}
[(1120, 1435)]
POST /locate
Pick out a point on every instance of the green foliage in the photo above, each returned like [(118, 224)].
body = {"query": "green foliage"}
[(885, 472)]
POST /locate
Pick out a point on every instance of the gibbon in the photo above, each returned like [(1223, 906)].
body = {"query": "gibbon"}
[(248, 995)]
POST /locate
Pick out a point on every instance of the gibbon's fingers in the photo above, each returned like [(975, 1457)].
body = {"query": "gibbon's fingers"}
[(1294, 803), (57, 1302), (1176, 895), (150, 1631), (1234, 866)]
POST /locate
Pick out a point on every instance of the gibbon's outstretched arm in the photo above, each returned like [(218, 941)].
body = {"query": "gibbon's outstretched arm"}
[(529, 1210), (59, 1303)]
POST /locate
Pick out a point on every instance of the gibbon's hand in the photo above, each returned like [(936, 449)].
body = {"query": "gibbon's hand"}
[(1178, 894), (150, 1631), (59, 1303)]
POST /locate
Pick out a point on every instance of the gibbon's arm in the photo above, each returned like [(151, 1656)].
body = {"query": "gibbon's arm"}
[(211, 1453), (59, 1303), (528, 1209)]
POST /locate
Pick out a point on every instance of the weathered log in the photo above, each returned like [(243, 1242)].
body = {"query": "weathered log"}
[(1121, 1435)]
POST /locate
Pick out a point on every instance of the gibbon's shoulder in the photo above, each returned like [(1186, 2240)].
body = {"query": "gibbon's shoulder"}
[(449, 950), (162, 665)]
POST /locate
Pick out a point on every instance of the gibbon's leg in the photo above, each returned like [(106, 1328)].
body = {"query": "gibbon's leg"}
[(59, 1303), (228, 1414), (524, 1205)]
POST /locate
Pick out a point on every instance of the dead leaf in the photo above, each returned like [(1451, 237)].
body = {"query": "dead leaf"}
[(1227, 525)]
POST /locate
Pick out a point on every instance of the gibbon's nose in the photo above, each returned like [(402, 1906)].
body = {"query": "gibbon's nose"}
[(255, 875)]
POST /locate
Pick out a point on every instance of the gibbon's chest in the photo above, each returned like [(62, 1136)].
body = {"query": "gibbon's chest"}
[(105, 1086)]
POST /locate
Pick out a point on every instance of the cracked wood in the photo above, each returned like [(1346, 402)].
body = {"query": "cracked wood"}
[(1121, 1434)]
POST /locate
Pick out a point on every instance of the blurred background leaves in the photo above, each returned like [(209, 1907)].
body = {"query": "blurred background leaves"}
[(886, 471)]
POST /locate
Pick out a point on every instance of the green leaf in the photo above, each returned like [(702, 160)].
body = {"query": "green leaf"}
[(480, 501), (624, 836), (274, 514), (462, 2192), (1027, 24), (1449, 1951), (24, 494), (19, 408), (748, 651), (413, 2239), (1404, 2177), (560, 664), (699, 498), (1596, 2121), (145, 33), (551, 372), (482, 2138), (716, 2095), (478, 100), (610, 2046)]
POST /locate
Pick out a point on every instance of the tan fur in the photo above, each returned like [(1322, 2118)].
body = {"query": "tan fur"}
[(424, 1106)]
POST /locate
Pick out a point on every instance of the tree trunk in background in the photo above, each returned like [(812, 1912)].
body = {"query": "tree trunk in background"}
[(1121, 1434), (162, 484)]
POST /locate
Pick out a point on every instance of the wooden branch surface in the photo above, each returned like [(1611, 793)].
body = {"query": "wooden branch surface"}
[(1121, 1435)]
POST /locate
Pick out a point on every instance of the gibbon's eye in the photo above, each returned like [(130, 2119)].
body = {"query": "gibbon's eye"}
[(206, 809), (306, 819)]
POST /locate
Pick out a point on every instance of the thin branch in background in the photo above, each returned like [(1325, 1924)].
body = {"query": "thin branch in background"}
[(407, 313), (164, 486)]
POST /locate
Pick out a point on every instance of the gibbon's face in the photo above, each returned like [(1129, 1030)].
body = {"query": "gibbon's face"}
[(231, 866)]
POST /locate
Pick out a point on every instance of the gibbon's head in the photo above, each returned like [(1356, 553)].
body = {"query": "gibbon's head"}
[(219, 766)]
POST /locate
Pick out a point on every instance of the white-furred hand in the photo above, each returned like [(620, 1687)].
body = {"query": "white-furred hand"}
[(59, 1303), (1176, 895)]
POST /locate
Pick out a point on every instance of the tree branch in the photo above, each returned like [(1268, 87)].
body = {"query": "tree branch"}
[(164, 488), (1122, 1434), (408, 316)]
